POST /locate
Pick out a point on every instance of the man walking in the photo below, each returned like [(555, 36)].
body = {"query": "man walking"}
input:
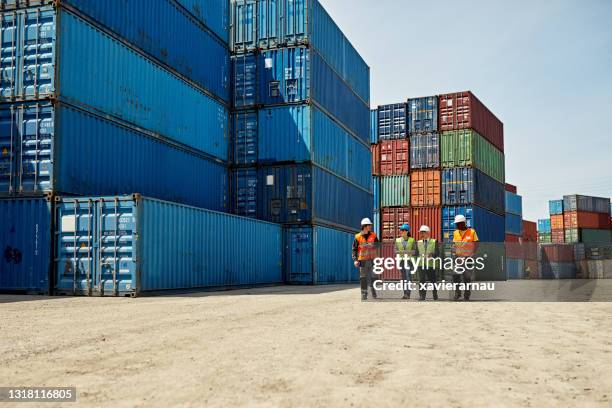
[(465, 245), (405, 248), (365, 249), (428, 249)]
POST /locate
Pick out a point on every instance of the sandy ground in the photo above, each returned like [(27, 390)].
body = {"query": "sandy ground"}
[(293, 346)]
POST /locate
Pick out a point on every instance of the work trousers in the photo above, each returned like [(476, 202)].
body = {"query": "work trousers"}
[(425, 276), (367, 278)]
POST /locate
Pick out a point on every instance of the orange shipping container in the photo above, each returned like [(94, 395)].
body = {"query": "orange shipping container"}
[(583, 219), (556, 222), (430, 216), (425, 188), (394, 156), (375, 159), (392, 219)]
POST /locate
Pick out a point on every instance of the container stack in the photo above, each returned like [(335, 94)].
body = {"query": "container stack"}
[(515, 250), (530, 249), (557, 228), (93, 103), (544, 231), (301, 133)]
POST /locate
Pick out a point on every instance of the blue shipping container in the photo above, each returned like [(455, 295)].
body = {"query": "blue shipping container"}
[(423, 114), (425, 151), (555, 207), (544, 225), (300, 134), (214, 14), (558, 270), (318, 256), (466, 185), (489, 226), (269, 24), (515, 268), (514, 224), (373, 126), (514, 203), (77, 63), (56, 148), (130, 244), (305, 193), (376, 192), (26, 242), (376, 221), (297, 75), (164, 30), (244, 192), (392, 121)]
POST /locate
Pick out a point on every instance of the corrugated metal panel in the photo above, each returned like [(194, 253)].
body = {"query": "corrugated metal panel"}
[(298, 75), (557, 222), (392, 219), (425, 188), (392, 121), (572, 236), (530, 231), (182, 51), (13, 4), (373, 126), (544, 238), (557, 236), (425, 151), (423, 114), (128, 245), (514, 224), (244, 192), (245, 141), (48, 153), (583, 219), (514, 203), (430, 216), (375, 149), (318, 255), (26, 242), (300, 193), (394, 157), (595, 236), (544, 225), (395, 191), (511, 188), (558, 270), (213, 13), (556, 253), (555, 207), (586, 203), (465, 185), (489, 226), (467, 148), (376, 191), (462, 110), (376, 221), (515, 268), (128, 86), (269, 24)]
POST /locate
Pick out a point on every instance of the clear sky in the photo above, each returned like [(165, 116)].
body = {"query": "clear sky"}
[(543, 67)]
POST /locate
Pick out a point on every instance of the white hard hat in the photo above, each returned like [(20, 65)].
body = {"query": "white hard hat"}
[(366, 221), (460, 218), (424, 228)]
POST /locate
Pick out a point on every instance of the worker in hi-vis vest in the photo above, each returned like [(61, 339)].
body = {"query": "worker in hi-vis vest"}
[(428, 250), (465, 245), (365, 249), (405, 247)]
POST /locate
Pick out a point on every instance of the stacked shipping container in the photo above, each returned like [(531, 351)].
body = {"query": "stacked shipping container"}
[(515, 249), (301, 132)]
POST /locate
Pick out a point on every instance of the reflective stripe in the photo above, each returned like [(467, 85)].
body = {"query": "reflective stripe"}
[(464, 243)]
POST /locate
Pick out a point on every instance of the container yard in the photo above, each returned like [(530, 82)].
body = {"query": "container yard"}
[(265, 187)]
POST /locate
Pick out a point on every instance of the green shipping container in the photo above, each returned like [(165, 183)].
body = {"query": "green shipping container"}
[(395, 191), (545, 238), (588, 236), (466, 148)]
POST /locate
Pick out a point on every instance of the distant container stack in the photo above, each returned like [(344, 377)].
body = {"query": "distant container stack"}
[(95, 104), (515, 249), (301, 133)]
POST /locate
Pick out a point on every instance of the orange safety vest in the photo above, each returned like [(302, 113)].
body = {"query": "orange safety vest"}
[(367, 247), (465, 243)]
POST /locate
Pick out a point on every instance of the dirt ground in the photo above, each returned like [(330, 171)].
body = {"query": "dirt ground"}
[(305, 346)]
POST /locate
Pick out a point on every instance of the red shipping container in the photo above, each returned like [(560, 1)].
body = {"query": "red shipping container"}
[(394, 274), (430, 216), (375, 159), (394, 156), (533, 268), (557, 253), (425, 188), (511, 188), (530, 231), (462, 110), (557, 222), (583, 219), (530, 250), (392, 219), (514, 249), (558, 236)]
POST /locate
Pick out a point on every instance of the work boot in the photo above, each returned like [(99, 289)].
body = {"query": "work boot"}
[(457, 296), (374, 295), (435, 296), (364, 296), (406, 296)]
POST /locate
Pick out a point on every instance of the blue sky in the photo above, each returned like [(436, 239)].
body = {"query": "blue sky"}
[(543, 67)]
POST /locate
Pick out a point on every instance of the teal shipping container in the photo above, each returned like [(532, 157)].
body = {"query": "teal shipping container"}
[(269, 24), (130, 245), (26, 241), (59, 55), (316, 255)]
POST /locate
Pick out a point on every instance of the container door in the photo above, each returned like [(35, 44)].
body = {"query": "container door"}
[(116, 263), (244, 30), (76, 247), (245, 137), (299, 255), (9, 42)]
